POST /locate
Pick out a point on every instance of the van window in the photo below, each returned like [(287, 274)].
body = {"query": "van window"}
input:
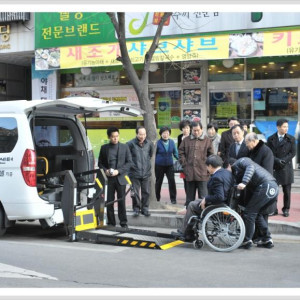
[(52, 136), (8, 134)]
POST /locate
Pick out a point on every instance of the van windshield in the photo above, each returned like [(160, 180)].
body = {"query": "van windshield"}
[(53, 136)]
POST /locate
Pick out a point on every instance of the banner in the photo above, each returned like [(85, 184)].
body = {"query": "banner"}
[(282, 42), (256, 44), (144, 24), (56, 29), (44, 84)]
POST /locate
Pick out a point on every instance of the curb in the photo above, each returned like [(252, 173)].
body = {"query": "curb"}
[(169, 219)]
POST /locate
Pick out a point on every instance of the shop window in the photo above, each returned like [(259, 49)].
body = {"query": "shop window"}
[(226, 70), (224, 105), (165, 73), (167, 106), (271, 103), (273, 68), (67, 80)]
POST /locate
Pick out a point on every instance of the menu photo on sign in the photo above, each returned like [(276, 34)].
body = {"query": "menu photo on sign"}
[(191, 75), (191, 96), (192, 115), (246, 45)]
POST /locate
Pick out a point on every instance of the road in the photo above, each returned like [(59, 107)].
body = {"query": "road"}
[(34, 258)]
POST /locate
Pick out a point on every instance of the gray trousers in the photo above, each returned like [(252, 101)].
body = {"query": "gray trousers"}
[(141, 188), (192, 209)]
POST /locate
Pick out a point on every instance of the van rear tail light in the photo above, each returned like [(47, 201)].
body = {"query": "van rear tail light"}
[(28, 167)]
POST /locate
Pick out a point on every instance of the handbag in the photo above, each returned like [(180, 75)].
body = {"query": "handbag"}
[(177, 167)]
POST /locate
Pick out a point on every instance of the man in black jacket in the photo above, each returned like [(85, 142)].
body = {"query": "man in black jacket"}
[(140, 172), (115, 159), (219, 185), (261, 154), (284, 149), (227, 140), (264, 191), (238, 148)]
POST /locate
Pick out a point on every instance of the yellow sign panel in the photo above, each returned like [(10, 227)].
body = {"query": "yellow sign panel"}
[(282, 43), (179, 49), (226, 109)]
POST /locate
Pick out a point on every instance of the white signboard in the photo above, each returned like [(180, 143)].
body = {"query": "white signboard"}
[(97, 79), (141, 24)]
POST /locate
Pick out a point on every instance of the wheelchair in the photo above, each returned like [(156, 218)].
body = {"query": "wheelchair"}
[(219, 226)]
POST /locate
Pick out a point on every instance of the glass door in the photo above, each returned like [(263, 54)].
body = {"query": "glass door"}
[(166, 103), (225, 104)]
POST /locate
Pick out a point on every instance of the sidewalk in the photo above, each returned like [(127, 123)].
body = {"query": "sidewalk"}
[(167, 217)]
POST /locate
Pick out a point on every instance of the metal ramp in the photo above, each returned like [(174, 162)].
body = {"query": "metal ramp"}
[(129, 237), (87, 223)]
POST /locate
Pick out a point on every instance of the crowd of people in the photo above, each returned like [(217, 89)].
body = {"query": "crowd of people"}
[(211, 164)]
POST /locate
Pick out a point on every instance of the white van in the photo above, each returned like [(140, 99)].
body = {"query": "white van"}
[(39, 138)]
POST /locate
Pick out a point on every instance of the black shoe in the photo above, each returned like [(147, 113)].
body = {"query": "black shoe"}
[(266, 244), (285, 212), (173, 201), (124, 226), (136, 213), (177, 235), (246, 245), (275, 213), (256, 240), (146, 213)]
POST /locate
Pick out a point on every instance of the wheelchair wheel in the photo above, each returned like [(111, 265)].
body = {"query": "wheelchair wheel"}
[(198, 244), (223, 229)]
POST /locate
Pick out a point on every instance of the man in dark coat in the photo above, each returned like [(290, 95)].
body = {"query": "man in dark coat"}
[(238, 148), (140, 172), (264, 191), (261, 154), (115, 159), (219, 185), (227, 140), (284, 149)]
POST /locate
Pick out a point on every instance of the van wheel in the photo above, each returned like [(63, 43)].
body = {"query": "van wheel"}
[(2, 216)]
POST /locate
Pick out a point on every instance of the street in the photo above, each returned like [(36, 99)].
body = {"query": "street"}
[(35, 258)]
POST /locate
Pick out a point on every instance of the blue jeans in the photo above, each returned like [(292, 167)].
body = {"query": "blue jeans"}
[(263, 195)]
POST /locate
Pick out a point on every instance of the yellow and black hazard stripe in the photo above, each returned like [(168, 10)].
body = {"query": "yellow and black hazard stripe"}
[(147, 244)]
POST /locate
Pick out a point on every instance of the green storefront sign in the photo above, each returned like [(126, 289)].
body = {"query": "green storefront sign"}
[(71, 29)]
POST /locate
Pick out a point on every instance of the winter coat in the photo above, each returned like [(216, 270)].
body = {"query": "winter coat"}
[(141, 158), (192, 156), (284, 152), (263, 156), (219, 186), (123, 164), (250, 173), (216, 142), (226, 141), (163, 157)]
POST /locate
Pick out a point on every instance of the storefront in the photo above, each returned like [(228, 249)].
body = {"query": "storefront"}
[(252, 74)]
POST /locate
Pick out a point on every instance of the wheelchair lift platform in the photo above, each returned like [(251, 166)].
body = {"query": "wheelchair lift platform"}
[(130, 237), (86, 223)]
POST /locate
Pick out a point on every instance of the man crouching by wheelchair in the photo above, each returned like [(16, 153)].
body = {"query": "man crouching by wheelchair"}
[(262, 190), (218, 186)]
